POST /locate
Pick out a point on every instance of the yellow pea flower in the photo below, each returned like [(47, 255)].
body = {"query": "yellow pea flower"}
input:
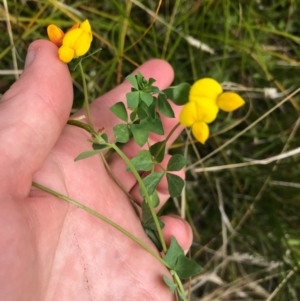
[(197, 115), (209, 90), (76, 42), (205, 87), (229, 101)]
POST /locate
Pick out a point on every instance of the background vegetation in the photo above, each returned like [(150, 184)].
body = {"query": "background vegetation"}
[(246, 217)]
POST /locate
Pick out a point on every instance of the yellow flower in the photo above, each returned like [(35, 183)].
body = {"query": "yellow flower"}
[(229, 101), (209, 90), (76, 42), (205, 87), (206, 97), (197, 115)]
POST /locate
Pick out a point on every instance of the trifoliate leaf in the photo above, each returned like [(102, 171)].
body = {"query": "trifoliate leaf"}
[(178, 94), (164, 106), (151, 182), (121, 133), (177, 162), (173, 253), (158, 150), (186, 268), (142, 161), (132, 79), (140, 133), (119, 110), (170, 284), (175, 185), (133, 99)]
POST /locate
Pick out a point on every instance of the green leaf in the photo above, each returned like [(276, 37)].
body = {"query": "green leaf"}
[(173, 253), (133, 99), (147, 218), (97, 146), (177, 162), (88, 154), (182, 297), (121, 133), (178, 94), (175, 185), (152, 89), (142, 112), (170, 284), (104, 137), (133, 116), (154, 199), (140, 134), (153, 125), (186, 268), (142, 161), (153, 236), (132, 79), (140, 80), (146, 98), (164, 106), (151, 81), (151, 181), (158, 150), (120, 111)]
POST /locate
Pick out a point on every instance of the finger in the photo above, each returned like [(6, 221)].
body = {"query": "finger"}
[(33, 112), (179, 228)]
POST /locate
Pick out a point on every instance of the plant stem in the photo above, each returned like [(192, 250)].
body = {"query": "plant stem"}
[(103, 218), (86, 97), (178, 281), (147, 197)]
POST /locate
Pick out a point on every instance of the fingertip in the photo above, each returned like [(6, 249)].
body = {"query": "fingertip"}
[(179, 228), (158, 69)]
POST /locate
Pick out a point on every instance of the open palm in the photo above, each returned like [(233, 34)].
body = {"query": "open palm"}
[(51, 250)]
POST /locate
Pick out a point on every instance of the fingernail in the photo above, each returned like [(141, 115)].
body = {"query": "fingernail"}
[(29, 57), (186, 251)]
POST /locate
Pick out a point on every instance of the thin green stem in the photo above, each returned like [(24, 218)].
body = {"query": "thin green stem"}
[(140, 181), (178, 281), (86, 97), (103, 218)]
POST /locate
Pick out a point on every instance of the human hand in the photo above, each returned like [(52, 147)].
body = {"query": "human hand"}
[(51, 250)]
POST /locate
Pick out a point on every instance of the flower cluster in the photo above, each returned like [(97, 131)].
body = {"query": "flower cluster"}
[(206, 97), (75, 42)]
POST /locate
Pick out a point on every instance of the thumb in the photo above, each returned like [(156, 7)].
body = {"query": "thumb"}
[(33, 113)]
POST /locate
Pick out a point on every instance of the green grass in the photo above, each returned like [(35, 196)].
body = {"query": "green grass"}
[(256, 46)]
